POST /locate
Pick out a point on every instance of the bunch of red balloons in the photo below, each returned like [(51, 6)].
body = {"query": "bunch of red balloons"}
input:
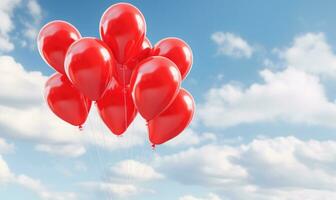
[(121, 72)]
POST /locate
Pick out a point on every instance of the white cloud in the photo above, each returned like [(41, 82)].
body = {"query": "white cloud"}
[(19, 87), (190, 138), (278, 168), (134, 170), (33, 185), (113, 190), (5, 44), (251, 193), (71, 150), (290, 162), (5, 173), (5, 147), (10, 13), (291, 95), (31, 27), (295, 194), (9, 23), (208, 165), (232, 45), (123, 180), (210, 196), (311, 53), (6, 24), (35, 10), (37, 187)]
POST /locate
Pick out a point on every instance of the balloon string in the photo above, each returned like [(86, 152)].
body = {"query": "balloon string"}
[(125, 108), (89, 123), (102, 158)]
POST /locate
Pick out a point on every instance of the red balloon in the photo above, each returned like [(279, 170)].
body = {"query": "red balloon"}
[(173, 120), (123, 28), (146, 47), (143, 53), (155, 82), (123, 73), (54, 40), (66, 101), (177, 51), (116, 108), (89, 65)]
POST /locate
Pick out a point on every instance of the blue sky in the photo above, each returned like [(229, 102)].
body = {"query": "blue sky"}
[(263, 80)]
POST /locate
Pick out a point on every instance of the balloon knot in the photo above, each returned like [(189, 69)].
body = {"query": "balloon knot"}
[(153, 147), (80, 127)]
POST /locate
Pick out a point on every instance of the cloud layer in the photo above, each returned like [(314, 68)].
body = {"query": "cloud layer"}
[(31, 12), (285, 166), (230, 44), (293, 95)]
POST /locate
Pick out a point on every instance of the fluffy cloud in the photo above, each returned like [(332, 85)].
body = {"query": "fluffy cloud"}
[(210, 196), (290, 95), (16, 121), (33, 185), (207, 165), (285, 166), (31, 27), (6, 24), (311, 53), (124, 179), (8, 14), (293, 95), (19, 88), (5, 173), (190, 138), (231, 45), (290, 162), (135, 170), (109, 190), (71, 150), (6, 147), (35, 10), (37, 187)]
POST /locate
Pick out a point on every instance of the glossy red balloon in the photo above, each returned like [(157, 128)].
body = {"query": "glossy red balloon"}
[(116, 108), (143, 52), (66, 101), (173, 120), (177, 51), (123, 73), (123, 29), (54, 40), (155, 82), (89, 65)]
